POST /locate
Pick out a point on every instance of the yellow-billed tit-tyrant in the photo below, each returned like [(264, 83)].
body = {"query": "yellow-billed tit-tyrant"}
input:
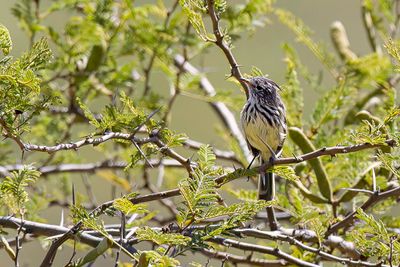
[(263, 121)]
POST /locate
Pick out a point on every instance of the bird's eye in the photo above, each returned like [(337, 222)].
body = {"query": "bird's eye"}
[(259, 87)]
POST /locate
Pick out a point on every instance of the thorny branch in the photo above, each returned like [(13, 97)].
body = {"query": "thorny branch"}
[(291, 236), (374, 198), (245, 259), (221, 43), (262, 249), (226, 178), (282, 255)]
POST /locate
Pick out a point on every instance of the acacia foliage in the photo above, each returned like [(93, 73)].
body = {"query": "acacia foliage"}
[(96, 86)]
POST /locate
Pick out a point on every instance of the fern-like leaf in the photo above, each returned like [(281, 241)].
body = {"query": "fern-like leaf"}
[(13, 188), (146, 233), (5, 40)]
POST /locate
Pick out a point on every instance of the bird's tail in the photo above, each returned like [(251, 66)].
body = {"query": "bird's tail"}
[(266, 191), (266, 185)]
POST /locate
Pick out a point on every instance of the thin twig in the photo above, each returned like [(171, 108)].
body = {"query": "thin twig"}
[(148, 68), (375, 198), (293, 237), (242, 260), (280, 254), (8, 133), (89, 190), (370, 28), (262, 249), (221, 43), (86, 141), (87, 167), (121, 239), (330, 151)]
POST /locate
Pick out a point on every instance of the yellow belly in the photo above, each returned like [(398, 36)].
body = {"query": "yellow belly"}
[(262, 136)]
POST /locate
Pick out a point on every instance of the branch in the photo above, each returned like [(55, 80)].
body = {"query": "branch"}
[(108, 164), (293, 237), (229, 177), (243, 260), (288, 235), (331, 151), (42, 229), (8, 133), (282, 255), (87, 141), (370, 28), (154, 138), (73, 110), (220, 42), (88, 167), (262, 249), (373, 199), (220, 108), (172, 154)]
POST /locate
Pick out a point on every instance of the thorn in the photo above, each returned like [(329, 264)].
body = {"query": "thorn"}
[(62, 218), (227, 76), (297, 158), (73, 194), (373, 180)]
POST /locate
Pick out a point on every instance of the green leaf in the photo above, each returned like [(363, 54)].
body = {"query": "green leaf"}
[(331, 105), (240, 173), (88, 114), (239, 212), (13, 188), (38, 57), (303, 34), (154, 258), (96, 58), (370, 132), (393, 48), (172, 139), (292, 93), (286, 172), (5, 40), (256, 71), (193, 9), (389, 162), (245, 195), (160, 238), (127, 207), (369, 69), (206, 158), (198, 192), (378, 242), (94, 253)]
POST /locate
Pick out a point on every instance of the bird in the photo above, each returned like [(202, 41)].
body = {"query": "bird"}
[(263, 121)]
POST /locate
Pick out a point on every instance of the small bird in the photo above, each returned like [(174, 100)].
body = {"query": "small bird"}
[(263, 120)]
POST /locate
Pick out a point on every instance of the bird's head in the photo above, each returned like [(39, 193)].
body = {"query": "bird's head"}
[(261, 88)]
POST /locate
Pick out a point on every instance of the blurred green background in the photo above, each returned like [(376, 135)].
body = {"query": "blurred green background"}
[(262, 49)]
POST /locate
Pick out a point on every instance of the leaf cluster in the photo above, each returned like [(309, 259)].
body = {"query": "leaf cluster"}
[(14, 189)]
